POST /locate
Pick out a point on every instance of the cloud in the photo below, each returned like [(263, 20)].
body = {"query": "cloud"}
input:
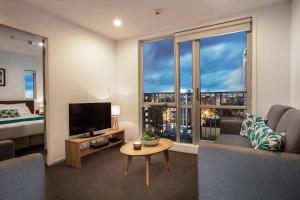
[(220, 58), (226, 81)]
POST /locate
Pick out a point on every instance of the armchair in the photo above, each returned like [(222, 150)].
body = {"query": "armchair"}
[(21, 178)]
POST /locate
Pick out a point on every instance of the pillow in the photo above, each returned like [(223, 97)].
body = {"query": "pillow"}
[(263, 137), (21, 107), (9, 113), (249, 123)]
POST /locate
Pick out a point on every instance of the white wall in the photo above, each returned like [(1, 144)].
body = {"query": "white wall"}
[(271, 59), (80, 66), (15, 65), (127, 84), (295, 47)]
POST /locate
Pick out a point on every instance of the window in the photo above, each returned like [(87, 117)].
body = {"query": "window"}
[(159, 111), (30, 84), (191, 81), (186, 91)]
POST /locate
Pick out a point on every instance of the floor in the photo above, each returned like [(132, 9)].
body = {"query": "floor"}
[(101, 178), (30, 150)]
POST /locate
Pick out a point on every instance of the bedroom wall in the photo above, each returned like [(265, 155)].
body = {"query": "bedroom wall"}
[(271, 76), (295, 48), (15, 65), (80, 66)]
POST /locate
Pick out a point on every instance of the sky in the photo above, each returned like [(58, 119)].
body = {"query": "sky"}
[(221, 61), (28, 85)]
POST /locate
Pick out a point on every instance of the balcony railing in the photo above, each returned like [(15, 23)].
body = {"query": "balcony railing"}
[(214, 106)]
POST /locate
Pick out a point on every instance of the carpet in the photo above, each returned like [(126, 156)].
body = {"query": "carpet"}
[(101, 178)]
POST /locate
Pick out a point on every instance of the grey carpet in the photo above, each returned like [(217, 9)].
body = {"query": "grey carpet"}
[(101, 178)]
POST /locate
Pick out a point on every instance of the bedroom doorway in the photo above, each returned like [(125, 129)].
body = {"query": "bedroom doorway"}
[(22, 90)]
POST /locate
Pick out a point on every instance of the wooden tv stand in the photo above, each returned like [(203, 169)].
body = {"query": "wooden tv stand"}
[(79, 147)]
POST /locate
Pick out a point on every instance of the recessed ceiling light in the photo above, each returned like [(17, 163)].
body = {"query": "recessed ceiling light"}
[(41, 44), (117, 23)]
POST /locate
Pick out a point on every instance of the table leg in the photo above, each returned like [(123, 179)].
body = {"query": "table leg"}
[(128, 161), (147, 170), (166, 153)]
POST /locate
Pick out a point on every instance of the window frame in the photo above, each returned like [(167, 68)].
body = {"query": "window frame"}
[(34, 84), (215, 29)]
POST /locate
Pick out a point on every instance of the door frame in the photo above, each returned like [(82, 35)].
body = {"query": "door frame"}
[(45, 72)]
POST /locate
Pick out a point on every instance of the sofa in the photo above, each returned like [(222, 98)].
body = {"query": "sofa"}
[(230, 169), (21, 178)]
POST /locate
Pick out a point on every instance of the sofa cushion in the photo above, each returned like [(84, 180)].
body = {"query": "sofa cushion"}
[(235, 140), (274, 115), (265, 138), (290, 124), (249, 123)]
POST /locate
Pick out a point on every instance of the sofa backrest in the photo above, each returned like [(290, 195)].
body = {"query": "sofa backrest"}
[(274, 115), (290, 124)]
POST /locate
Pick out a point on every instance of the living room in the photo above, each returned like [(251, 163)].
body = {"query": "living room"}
[(214, 61)]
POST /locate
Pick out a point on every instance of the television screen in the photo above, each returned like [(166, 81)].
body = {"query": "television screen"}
[(84, 117)]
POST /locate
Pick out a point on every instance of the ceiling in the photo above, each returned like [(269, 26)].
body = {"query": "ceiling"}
[(19, 42), (138, 15)]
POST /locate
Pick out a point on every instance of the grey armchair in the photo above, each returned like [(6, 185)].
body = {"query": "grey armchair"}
[(21, 178)]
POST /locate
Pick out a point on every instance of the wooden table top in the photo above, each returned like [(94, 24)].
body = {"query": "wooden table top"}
[(164, 144)]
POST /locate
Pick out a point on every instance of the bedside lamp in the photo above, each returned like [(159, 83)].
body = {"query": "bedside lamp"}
[(115, 111)]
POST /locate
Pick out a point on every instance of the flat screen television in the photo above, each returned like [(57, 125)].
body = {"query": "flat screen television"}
[(84, 117)]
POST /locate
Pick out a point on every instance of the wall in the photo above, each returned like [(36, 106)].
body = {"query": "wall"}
[(271, 61), (295, 48), (15, 65), (80, 67), (273, 57)]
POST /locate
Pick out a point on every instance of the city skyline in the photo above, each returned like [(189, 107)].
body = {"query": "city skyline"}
[(220, 56)]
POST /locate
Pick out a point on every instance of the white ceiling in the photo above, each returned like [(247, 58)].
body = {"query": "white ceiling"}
[(137, 15), (19, 44)]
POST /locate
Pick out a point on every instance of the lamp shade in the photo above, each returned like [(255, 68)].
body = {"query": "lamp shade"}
[(115, 110)]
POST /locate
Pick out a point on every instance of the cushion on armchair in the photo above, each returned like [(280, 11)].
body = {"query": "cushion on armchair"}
[(249, 124), (263, 137)]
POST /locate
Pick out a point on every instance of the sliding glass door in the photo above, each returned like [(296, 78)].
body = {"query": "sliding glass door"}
[(223, 80), (193, 80)]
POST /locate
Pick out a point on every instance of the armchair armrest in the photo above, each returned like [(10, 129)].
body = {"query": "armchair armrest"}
[(7, 149), (23, 178), (230, 172), (230, 126)]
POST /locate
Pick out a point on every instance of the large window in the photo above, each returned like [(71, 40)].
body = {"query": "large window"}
[(194, 79), (159, 111), (30, 84)]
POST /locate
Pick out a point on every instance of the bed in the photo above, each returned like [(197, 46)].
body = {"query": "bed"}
[(25, 130)]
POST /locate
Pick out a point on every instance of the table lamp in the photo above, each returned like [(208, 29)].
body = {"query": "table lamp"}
[(115, 111)]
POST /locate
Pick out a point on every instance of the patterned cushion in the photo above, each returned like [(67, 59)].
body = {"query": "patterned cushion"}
[(263, 137), (249, 123), (9, 113)]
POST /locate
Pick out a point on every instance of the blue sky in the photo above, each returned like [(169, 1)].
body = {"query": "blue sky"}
[(221, 59), (28, 85)]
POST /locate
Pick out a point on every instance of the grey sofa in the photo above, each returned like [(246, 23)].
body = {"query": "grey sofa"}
[(231, 169), (21, 178)]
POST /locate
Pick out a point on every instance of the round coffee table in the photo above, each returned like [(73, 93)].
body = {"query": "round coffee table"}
[(163, 146)]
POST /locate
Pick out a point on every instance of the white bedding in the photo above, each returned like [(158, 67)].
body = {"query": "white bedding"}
[(21, 129)]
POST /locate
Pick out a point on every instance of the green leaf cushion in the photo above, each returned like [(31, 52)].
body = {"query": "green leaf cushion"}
[(249, 123), (263, 137), (9, 113)]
